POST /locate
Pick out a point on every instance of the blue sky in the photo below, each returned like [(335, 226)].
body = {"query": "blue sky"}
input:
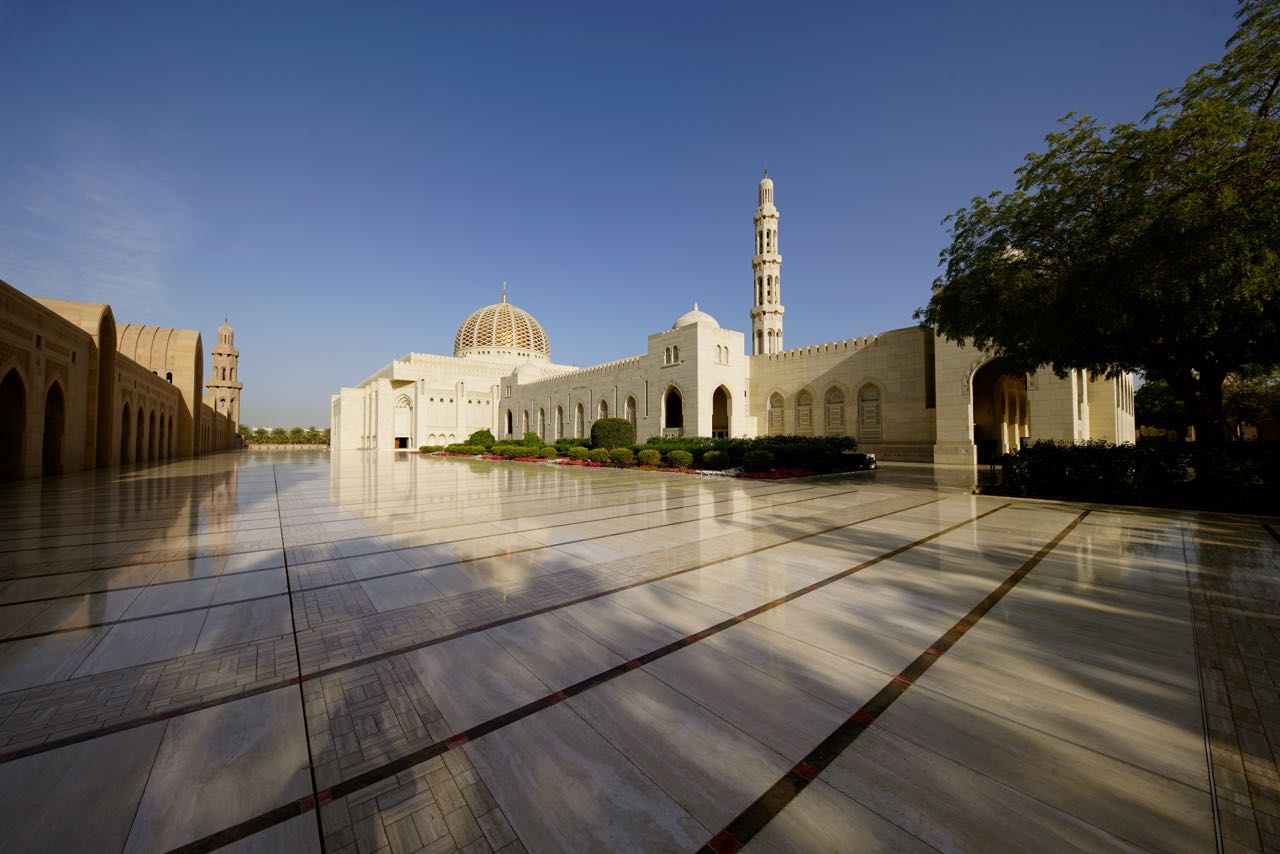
[(347, 181)]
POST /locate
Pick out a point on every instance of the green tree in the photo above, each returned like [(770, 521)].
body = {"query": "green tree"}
[(312, 436), (297, 436), (261, 436), (1252, 396), (278, 436), (1155, 405), (1150, 246), (326, 436)]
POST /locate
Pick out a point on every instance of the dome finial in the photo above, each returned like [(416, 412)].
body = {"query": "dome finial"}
[(504, 291), (766, 170)]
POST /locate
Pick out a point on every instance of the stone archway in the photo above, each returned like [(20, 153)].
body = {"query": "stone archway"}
[(13, 425), (1000, 409), (721, 413), (673, 412), (55, 421)]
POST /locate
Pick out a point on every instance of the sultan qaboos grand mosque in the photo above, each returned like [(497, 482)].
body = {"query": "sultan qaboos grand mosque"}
[(905, 394)]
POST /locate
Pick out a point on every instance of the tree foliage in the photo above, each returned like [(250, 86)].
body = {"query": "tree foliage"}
[(1150, 246)]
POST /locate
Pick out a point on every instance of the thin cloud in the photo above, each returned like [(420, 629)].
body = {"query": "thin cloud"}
[(87, 226)]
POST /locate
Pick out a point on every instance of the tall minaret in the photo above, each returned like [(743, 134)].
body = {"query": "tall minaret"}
[(766, 312), (224, 387)]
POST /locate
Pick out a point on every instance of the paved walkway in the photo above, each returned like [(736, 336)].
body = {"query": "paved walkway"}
[(370, 652)]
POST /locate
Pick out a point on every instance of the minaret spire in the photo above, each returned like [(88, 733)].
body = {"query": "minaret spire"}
[(504, 291), (766, 264)]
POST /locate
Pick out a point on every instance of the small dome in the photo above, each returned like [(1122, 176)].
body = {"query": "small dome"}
[(766, 183), (695, 316), (502, 329)]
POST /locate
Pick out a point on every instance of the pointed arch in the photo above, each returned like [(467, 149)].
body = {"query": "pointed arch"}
[(777, 414), (673, 410), (13, 425), (721, 413), (804, 412), (833, 406), (629, 411), (870, 419)]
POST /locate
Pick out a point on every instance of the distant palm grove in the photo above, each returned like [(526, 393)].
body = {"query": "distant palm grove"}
[(281, 436)]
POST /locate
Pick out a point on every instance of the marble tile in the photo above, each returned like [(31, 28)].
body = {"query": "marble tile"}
[(624, 631), (226, 625), (400, 591), (600, 801), (88, 610), (299, 834), (152, 639), (822, 819), (249, 585), (164, 598), (474, 678), (555, 652), (77, 798), (40, 661), (220, 766)]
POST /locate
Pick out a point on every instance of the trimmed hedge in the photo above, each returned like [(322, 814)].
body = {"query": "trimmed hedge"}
[(563, 445), (548, 453), (680, 459), (758, 459), (430, 449), (612, 433), (715, 460), (577, 453), (1239, 476), (649, 457), (599, 455), (622, 456), (464, 450), (482, 438)]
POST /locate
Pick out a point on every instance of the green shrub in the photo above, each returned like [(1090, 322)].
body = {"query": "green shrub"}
[(548, 453), (599, 455), (482, 438), (508, 451), (680, 459), (622, 456), (649, 457), (469, 450), (429, 449), (758, 459), (531, 440), (715, 460), (612, 433), (577, 453)]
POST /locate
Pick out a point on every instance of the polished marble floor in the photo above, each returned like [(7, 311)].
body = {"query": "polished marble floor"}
[(367, 652)]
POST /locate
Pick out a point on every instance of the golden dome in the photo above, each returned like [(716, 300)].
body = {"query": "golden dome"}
[(502, 329)]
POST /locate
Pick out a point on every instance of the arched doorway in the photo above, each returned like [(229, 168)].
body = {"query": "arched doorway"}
[(673, 412), (559, 422), (13, 425), (804, 413), (55, 419), (869, 426), (834, 411), (776, 414), (579, 422), (630, 410), (1000, 411), (140, 438), (508, 423), (602, 411), (403, 422), (720, 417), (542, 424), (126, 426)]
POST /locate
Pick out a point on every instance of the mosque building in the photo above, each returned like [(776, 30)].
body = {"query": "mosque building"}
[(79, 391), (905, 394)]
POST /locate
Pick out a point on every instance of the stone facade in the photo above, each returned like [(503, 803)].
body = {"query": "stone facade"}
[(904, 394), (79, 392)]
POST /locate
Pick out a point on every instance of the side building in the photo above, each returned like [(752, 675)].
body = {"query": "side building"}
[(905, 394), (78, 391)]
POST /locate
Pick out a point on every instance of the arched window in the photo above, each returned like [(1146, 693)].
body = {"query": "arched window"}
[(542, 424), (559, 434), (759, 290), (630, 411), (759, 342), (224, 374), (524, 423), (579, 422), (775, 414), (769, 342), (869, 421), (666, 357), (804, 411), (508, 422), (835, 411), (602, 410), (675, 354), (673, 410)]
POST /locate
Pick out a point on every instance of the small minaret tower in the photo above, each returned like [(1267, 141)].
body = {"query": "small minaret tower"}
[(766, 312), (223, 385)]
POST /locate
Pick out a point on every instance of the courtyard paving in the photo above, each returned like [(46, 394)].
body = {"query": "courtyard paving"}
[(376, 652)]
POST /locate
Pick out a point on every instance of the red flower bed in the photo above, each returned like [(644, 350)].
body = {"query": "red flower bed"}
[(776, 474)]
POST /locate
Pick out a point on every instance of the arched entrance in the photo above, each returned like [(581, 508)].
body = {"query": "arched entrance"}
[(126, 425), (720, 417), (508, 423), (776, 411), (869, 427), (1000, 411), (13, 425), (55, 419), (672, 412), (403, 417)]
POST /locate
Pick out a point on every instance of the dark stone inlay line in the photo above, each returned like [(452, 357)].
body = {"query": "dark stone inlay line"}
[(133, 723), (332, 584), (404, 763), (1272, 531), (753, 819)]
